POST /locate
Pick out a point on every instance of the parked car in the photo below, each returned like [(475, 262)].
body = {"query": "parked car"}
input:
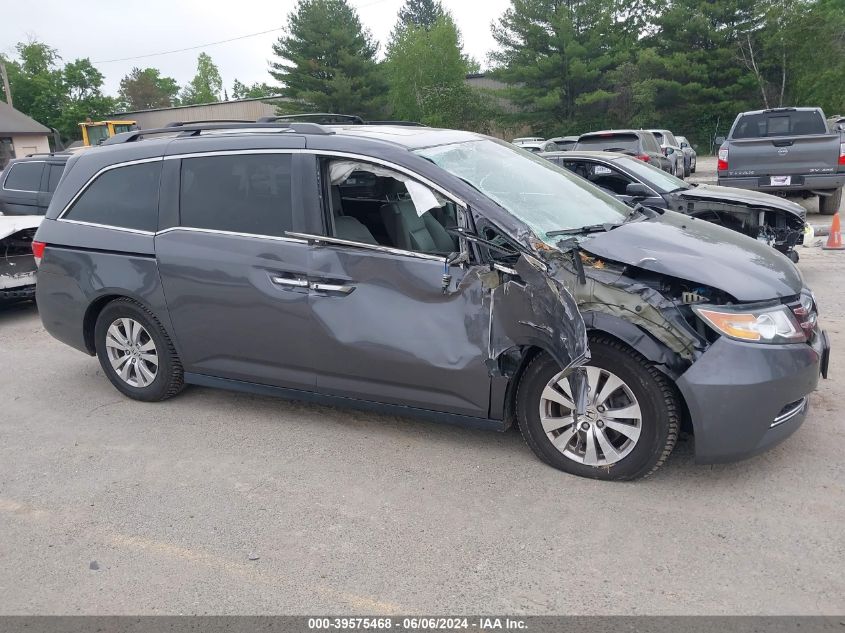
[(17, 264), (638, 143), (26, 187), (563, 143), (27, 184), (425, 272), (777, 222), (672, 150), (538, 146), (787, 151), (836, 123), (527, 139), (690, 156)]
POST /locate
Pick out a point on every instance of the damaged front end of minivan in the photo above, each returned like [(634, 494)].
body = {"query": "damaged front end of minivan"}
[(17, 264)]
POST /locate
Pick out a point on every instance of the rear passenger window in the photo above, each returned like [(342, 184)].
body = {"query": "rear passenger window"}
[(239, 193), (124, 197), (56, 172), (24, 176)]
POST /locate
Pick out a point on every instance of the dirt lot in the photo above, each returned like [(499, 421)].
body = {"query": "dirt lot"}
[(113, 506)]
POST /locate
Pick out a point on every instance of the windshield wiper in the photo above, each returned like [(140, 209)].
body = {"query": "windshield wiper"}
[(589, 228)]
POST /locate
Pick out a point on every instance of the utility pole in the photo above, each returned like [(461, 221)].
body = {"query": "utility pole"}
[(6, 83)]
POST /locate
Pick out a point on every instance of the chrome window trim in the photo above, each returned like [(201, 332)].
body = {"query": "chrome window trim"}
[(91, 180), (371, 247), (110, 227), (322, 152), (8, 173), (195, 229)]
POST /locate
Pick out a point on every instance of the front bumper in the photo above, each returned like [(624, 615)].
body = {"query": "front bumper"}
[(812, 182), (744, 398)]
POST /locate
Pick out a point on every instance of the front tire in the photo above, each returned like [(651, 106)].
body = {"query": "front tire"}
[(136, 353), (631, 444)]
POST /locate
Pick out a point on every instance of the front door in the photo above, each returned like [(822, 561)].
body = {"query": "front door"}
[(387, 326), (384, 330), (236, 286)]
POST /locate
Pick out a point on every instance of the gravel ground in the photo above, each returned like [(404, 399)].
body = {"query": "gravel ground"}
[(218, 502)]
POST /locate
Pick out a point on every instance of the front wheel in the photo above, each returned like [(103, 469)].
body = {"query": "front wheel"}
[(630, 426), (136, 353)]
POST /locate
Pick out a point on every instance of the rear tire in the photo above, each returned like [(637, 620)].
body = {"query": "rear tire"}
[(136, 353), (640, 383), (692, 167), (687, 169), (828, 205)]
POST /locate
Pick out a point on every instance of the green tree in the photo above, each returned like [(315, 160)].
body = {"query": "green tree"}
[(83, 97), (426, 72), (143, 89), (420, 13), (327, 61), (557, 56), (206, 85), (58, 97), (255, 91), (35, 80)]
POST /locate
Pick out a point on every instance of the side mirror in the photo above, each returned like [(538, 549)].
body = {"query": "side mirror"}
[(637, 190), (719, 140), (684, 145)]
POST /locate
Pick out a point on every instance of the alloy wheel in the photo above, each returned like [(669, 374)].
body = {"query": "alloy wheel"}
[(132, 352), (606, 433)]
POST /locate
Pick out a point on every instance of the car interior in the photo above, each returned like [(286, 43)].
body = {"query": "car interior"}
[(608, 178), (376, 206)]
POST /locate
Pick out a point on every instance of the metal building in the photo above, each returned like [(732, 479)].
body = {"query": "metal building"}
[(247, 109)]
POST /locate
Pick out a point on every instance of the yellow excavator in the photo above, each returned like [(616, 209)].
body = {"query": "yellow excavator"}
[(95, 132)]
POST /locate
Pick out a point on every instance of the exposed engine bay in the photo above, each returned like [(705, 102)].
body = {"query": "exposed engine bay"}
[(779, 229)]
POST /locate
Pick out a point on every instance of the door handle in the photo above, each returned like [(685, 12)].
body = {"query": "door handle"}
[(342, 288), (296, 283)]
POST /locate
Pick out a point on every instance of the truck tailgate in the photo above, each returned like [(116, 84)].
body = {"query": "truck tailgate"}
[(783, 156)]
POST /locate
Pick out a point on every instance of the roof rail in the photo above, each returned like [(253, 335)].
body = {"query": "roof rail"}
[(203, 121), (326, 116), (194, 129), (402, 123), (47, 154)]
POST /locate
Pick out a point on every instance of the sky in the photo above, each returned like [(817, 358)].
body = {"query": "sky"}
[(104, 30)]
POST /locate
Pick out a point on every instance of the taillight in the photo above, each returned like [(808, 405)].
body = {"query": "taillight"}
[(644, 157), (842, 153), (38, 251), (722, 163)]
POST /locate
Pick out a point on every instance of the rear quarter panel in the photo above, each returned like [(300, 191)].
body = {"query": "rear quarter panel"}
[(83, 265)]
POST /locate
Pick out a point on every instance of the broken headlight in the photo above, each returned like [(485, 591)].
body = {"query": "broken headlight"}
[(772, 324)]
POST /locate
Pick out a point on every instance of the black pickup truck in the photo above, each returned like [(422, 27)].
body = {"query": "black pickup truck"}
[(785, 151)]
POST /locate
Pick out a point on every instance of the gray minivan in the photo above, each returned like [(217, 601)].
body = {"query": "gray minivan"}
[(426, 272)]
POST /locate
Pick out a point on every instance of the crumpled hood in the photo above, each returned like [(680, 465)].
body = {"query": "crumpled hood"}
[(695, 250), (742, 196), (10, 224)]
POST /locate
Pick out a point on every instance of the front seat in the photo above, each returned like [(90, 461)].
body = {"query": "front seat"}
[(409, 231), (345, 226)]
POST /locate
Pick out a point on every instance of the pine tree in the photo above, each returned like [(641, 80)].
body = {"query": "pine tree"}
[(420, 13), (327, 61), (206, 85)]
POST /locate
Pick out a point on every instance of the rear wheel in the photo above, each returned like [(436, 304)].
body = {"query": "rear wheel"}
[(136, 353), (692, 167), (828, 205), (630, 426), (687, 169)]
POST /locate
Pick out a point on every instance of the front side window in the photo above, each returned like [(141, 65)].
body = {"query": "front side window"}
[(125, 197), (546, 197), (237, 193), (24, 176), (371, 204)]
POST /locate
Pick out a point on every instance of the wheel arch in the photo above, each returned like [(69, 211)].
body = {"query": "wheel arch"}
[(92, 312)]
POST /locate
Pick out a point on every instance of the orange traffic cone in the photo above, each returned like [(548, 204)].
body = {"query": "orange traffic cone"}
[(834, 240)]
